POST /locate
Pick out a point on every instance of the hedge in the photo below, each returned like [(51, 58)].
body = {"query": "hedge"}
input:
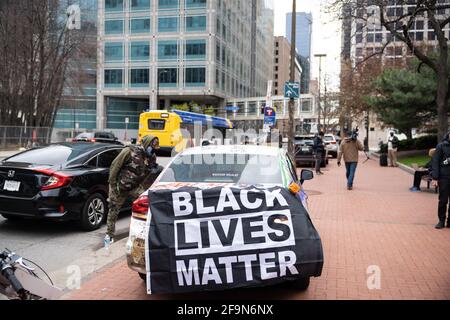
[(422, 143)]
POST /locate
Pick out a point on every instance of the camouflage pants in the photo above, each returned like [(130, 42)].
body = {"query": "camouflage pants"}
[(116, 201)]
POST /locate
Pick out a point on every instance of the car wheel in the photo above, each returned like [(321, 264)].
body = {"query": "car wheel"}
[(300, 284), (143, 276), (12, 217), (94, 212)]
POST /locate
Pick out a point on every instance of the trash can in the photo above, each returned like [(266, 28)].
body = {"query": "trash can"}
[(384, 160)]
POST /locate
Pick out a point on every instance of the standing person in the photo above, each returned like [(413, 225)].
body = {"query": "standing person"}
[(129, 171), (441, 178), (392, 149), (318, 149), (349, 149)]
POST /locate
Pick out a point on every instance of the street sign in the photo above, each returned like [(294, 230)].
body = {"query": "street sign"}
[(292, 90), (127, 120), (270, 116)]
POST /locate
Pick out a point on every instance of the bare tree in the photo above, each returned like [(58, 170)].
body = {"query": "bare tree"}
[(376, 12), (37, 52)]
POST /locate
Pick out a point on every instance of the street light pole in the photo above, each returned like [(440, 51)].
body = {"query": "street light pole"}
[(291, 132), (320, 56)]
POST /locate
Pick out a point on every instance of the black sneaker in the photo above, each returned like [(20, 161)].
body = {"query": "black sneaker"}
[(440, 225), (448, 224)]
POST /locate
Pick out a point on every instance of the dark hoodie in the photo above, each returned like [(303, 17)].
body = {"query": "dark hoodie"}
[(125, 156), (439, 170)]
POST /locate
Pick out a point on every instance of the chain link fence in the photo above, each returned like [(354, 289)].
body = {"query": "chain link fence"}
[(13, 138)]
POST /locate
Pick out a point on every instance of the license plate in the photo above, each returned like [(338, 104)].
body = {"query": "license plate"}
[(11, 185), (305, 149)]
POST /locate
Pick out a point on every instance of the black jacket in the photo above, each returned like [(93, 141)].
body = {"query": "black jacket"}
[(395, 142), (318, 144), (439, 170)]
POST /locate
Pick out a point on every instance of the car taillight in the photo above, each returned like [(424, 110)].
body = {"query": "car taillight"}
[(92, 140), (140, 208), (56, 180), (334, 142)]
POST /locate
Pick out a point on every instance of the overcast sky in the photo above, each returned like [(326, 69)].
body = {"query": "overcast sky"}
[(326, 35)]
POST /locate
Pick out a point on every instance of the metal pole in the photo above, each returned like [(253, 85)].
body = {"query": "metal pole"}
[(320, 56), (291, 133)]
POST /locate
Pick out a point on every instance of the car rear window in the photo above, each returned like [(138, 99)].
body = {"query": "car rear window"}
[(328, 139), (51, 155), (156, 124), (224, 168), (85, 136)]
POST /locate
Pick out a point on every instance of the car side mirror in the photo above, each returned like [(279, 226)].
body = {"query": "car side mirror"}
[(306, 175)]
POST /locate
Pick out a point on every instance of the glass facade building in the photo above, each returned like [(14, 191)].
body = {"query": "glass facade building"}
[(78, 110), (303, 39), (176, 51)]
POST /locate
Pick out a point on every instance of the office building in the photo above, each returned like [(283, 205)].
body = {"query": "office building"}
[(153, 54), (282, 65), (303, 40)]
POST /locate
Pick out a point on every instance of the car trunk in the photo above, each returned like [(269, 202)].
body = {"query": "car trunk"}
[(16, 180), (303, 149)]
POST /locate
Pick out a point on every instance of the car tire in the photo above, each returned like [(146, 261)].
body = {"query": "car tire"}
[(143, 276), (94, 212), (301, 284), (12, 218)]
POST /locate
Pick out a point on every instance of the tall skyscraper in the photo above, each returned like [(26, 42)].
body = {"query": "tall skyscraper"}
[(155, 53), (303, 42), (303, 32)]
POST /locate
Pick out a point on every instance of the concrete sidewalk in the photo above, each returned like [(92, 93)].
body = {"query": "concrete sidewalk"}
[(379, 226)]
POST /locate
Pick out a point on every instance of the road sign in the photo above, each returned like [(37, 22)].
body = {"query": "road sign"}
[(292, 90), (270, 116)]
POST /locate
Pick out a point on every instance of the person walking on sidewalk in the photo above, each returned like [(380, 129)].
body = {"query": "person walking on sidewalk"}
[(128, 174), (393, 143), (349, 149), (319, 150), (441, 178)]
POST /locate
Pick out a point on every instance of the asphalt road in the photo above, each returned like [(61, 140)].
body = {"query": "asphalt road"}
[(54, 245)]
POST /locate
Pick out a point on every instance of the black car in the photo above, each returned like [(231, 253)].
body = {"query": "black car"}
[(304, 151), (65, 181), (103, 137)]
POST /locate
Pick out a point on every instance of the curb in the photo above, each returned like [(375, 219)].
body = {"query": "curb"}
[(83, 269)]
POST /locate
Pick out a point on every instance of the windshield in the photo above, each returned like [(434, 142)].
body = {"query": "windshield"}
[(51, 155), (224, 168)]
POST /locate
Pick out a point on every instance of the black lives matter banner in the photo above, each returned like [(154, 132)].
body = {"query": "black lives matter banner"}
[(225, 237)]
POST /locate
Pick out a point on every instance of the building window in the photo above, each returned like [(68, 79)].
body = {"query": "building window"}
[(168, 24), (113, 5), (113, 78), (195, 77), (167, 77), (139, 51), (168, 4), (139, 77), (140, 5), (113, 51), (167, 50), (218, 53), (140, 25), (196, 23), (190, 4), (195, 50), (113, 27)]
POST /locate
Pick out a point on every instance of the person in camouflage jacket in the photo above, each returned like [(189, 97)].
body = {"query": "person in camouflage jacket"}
[(129, 175)]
